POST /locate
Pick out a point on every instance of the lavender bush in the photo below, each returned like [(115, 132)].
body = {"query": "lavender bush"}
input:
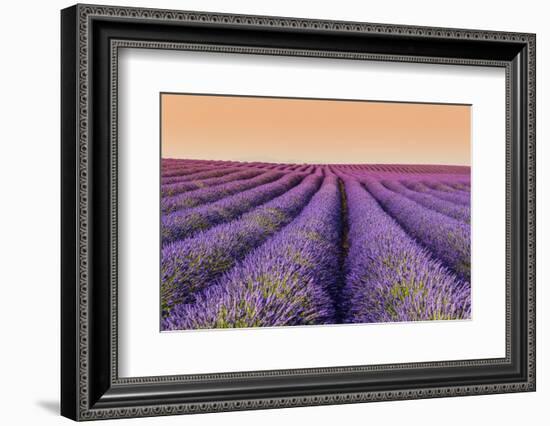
[(389, 277), (447, 208), (190, 265), (171, 189), (447, 238), (285, 281), (207, 195), (454, 196), (271, 244), (197, 174), (183, 224)]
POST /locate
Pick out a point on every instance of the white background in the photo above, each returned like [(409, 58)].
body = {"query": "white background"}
[(29, 229), (142, 346)]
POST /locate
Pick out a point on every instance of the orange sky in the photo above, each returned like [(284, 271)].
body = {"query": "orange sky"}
[(287, 130)]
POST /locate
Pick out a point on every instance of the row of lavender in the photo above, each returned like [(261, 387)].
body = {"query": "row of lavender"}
[(262, 244)]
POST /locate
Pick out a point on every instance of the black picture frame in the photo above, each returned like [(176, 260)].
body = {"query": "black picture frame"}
[(90, 386)]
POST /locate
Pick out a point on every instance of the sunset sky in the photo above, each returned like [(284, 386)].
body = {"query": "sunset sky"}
[(284, 130)]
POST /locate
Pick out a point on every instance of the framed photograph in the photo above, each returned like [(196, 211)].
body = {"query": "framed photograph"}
[(263, 212)]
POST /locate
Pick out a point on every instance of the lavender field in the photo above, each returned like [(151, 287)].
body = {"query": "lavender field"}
[(264, 244)]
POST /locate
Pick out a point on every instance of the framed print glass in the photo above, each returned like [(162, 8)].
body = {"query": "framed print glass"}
[(254, 244), (309, 206)]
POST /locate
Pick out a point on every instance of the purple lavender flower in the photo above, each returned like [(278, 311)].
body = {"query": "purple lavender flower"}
[(185, 223), (447, 238), (197, 174), (447, 208), (207, 195), (285, 281), (265, 244), (454, 196), (389, 276), (188, 266), (171, 189)]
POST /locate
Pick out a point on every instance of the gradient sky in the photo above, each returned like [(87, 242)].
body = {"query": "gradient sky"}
[(284, 130)]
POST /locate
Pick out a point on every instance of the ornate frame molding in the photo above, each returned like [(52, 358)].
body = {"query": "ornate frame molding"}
[(82, 17)]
